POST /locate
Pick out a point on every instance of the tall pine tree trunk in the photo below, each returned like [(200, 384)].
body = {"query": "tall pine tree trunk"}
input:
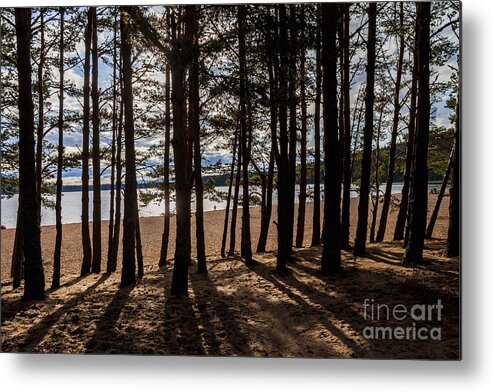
[(395, 129), (347, 172), (59, 181), (234, 212), (246, 241), (96, 160), (300, 230), (86, 237), (362, 227), (266, 207), (377, 181), (28, 195), (179, 284), (419, 187), (41, 97), (167, 143), (316, 119), (194, 123), (18, 252), (114, 125), (130, 204), (331, 255)]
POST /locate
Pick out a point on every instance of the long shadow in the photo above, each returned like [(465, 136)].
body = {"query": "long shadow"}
[(229, 324), (182, 336), (70, 283), (37, 332), (105, 334), (290, 281)]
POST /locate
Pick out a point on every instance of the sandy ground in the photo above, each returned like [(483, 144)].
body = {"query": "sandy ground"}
[(235, 310)]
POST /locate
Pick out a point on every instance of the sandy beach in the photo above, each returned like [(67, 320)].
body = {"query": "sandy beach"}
[(234, 310)]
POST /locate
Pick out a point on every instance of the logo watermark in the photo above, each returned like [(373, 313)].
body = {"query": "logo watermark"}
[(411, 316)]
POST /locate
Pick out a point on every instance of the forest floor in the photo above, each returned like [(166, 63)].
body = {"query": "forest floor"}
[(235, 310)]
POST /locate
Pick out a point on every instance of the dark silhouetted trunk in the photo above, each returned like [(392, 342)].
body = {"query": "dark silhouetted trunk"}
[(362, 227), (138, 244), (86, 237), (33, 265), (331, 255), (403, 214), (59, 181), (300, 230), (377, 181), (130, 202), (347, 158), (419, 187), (234, 212), (453, 239), (114, 125), (436, 209), (284, 225), (167, 143), (179, 284), (316, 119), (194, 124), (266, 206), (228, 201), (96, 160), (41, 108), (246, 240), (395, 129)]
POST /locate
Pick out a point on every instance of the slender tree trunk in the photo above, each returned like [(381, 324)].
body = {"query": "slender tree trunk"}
[(234, 212), (395, 129), (285, 225), (118, 198), (246, 241), (96, 160), (86, 238), (403, 214), (377, 181), (318, 94), (138, 244), (453, 239), (167, 142), (130, 204), (194, 123), (362, 227), (419, 188), (434, 215), (347, 173), (179, 284), (331, 255), (114, 117), (59, 181), (228, 201), (300, 230), (41, 96), (33, 266), (266, 207)]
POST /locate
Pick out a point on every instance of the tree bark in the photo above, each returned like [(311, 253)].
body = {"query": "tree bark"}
[(18, 253), (331, 255), (130, 204), (453, 238), (419, 187), (347, 172), (246, 240), (318, 94), (300, 230), (86, 237), (377, 181), (96, 160), (114, 118), (266, 207), (55, 283), (28, 195), (362, 227), (41, 97), (179, 284), (234, 212), (395, 129)]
